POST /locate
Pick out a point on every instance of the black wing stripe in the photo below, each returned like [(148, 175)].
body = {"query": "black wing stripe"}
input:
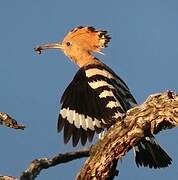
[(90, 135), (89, 109), (83, 136), (61, 122), (75, 136), (97, 108), (92, 108), (78, 105), (86, 106), (120, 98), (67, 131), (109, 80)]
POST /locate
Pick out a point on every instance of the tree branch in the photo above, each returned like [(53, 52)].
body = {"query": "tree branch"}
[(39, 164), (8, 121), (7, 178), (158, 112)]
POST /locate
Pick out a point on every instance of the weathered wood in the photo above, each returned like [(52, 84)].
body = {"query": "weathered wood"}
[(158, 112), (37, 165)]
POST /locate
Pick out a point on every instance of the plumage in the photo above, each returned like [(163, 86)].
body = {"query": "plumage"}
[(96, 97), (90, 135), (149, 153), (76, 133), (67, 131)]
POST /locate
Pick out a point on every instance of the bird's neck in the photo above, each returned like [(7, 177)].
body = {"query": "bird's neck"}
[(85, 59)]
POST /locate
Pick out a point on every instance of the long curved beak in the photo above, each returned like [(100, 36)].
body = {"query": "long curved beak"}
[(48, 46)]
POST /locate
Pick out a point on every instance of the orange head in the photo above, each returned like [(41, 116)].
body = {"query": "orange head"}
[(79, 43)]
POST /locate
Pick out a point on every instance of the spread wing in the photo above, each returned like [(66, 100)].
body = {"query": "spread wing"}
[(91, 102)]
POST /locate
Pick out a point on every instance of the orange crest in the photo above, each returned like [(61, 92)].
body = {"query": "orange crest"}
[(88, 38)]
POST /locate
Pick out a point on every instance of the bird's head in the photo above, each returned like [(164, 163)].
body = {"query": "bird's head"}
[(79, 42)]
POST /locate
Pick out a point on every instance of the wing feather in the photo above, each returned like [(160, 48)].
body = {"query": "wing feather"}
[(84, 110)]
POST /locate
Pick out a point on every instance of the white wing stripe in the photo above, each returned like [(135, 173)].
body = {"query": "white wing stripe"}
[(95, 71), (90, 123), (97, 123), (79, 120), (64, 113), (106, 93), (97, 84), (112, 104), (82, 121)]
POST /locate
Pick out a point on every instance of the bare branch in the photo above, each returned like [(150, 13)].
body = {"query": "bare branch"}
[(39, 164), (158, 112), (6, 120), (7, 178)]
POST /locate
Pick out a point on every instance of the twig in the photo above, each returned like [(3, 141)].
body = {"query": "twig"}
[(38, 165), (6, 120), (7, 178)]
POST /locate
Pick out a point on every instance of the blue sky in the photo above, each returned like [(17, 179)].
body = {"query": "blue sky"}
[(143, 51)]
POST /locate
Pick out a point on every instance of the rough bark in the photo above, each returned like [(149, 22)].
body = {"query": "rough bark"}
[(160, 111), (38, 165)]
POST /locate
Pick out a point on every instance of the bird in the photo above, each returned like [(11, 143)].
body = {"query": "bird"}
[(97, 97)]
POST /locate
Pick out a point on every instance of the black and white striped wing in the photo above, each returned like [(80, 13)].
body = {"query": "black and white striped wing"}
[(91, 102), (101, 77), (81, 111)]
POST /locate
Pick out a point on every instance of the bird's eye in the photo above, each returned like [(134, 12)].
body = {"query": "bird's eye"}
[(68, 43)]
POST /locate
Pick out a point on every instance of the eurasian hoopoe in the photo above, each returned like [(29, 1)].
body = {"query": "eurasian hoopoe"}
[(97, 98)]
